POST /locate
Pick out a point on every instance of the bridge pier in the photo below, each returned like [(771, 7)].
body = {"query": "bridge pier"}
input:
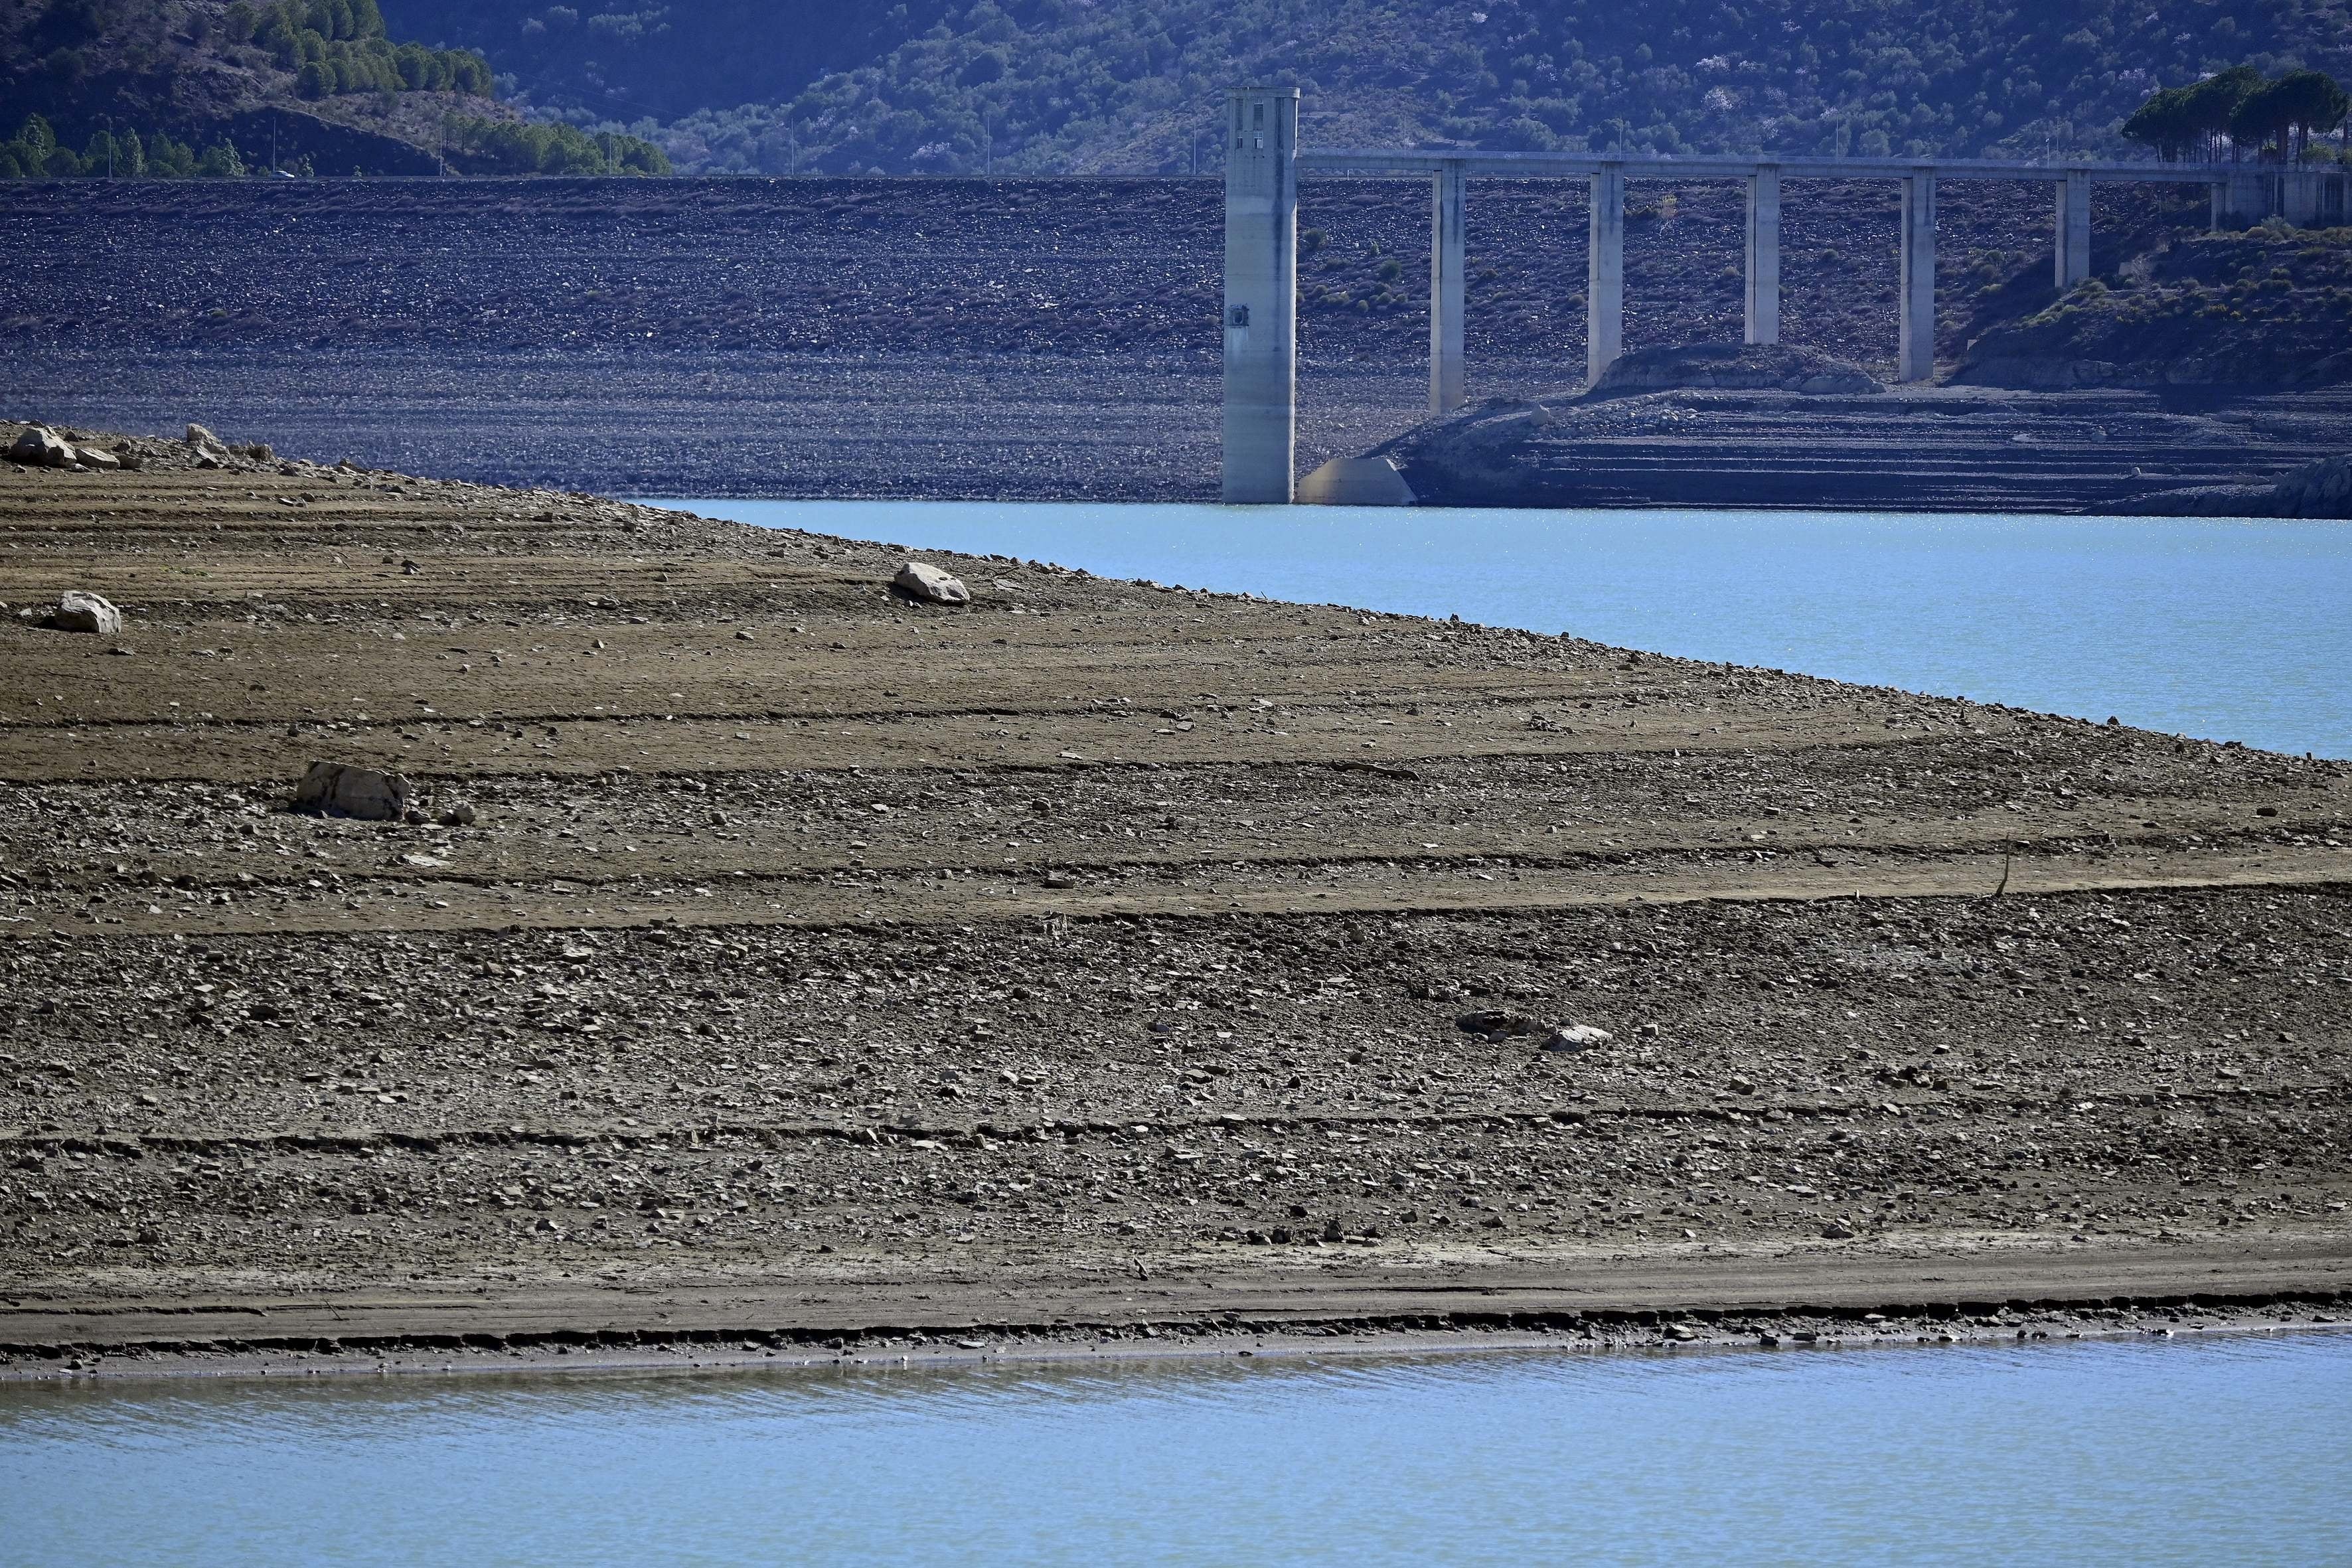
[(2240, 200), (1604, 272), (1261, 344), (1261, 318), (1915, 353), (2073, 246), (1448, 252), (1764, 254), (2300, 196)]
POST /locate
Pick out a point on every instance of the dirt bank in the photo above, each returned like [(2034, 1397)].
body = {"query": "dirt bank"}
[(1099, 950)]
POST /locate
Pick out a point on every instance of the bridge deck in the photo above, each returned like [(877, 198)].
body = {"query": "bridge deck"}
[(1374, 163)]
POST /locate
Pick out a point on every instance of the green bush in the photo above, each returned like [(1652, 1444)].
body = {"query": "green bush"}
[(518, 147)]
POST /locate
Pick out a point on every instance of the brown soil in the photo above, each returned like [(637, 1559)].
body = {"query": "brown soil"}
[(820, 961)]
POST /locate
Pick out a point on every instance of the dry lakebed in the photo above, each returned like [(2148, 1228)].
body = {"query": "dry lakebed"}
[(775, 963)]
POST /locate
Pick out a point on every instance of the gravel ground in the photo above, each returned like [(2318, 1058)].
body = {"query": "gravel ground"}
[(1099, 950)]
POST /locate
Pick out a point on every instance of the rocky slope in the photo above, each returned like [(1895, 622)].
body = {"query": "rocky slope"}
[(1048, 339), (2266, 309), (808, 960)]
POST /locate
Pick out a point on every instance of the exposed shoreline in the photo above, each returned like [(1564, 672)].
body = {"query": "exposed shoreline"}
[(1863, 1326), (808, 960)]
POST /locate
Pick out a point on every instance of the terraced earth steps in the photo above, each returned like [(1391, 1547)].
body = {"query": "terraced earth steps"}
[(1942, 449)]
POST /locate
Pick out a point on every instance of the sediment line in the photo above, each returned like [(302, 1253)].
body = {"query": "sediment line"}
[(979, 1133)]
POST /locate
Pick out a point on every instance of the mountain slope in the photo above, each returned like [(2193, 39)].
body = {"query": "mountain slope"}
[(1133, 85), (297, 83)]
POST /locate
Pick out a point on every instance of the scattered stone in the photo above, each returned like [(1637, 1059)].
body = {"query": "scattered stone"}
[(39, 447), (1570, 1038), (1749, 367), (80, 612), (1837, 1230), (922, 580), (206, 444), (1497, 1022), (459, 815), (339, 789), (93, 458), (2318, 489)]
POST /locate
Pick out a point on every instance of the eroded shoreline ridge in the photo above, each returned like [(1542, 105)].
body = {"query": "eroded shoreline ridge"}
[(771, 957)]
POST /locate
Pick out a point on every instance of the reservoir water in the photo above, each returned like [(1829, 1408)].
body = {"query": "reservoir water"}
[(2204, 1451), (2224, 629)]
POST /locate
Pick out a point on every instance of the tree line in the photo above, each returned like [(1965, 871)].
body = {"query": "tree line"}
[(2238, 110), (35, 153), (480, 146), (471, 144)]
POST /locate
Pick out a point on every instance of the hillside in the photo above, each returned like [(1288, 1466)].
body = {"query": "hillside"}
[(223, 87), (1131, 86), (2271, 307)]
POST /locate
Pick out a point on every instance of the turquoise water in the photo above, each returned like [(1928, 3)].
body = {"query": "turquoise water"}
[(2201, 1452), (2228, 630)]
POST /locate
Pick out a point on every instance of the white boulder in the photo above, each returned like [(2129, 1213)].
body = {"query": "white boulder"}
[(80, 612), (922, 580), (1568, 1037), (42, 448)]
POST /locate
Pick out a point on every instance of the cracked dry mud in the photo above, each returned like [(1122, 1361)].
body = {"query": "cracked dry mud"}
[(818, 961)]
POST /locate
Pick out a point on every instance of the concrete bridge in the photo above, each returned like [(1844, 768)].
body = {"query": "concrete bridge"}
[(1264, 162)]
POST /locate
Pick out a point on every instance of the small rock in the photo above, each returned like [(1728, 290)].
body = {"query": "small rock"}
[(91, 458), (1743, 1086), (339, 789), (1492, 1021), (1576, 1037), (1837, 1230), (922, 580), (461, 814), (206, 444), (80, 612)]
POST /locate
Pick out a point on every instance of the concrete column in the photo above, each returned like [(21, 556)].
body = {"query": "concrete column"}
[(2074, 244), (2299, 198), (2240, 201), (1261, 427), (1604, 273), (1764, 254), (1447, 301), (1914, 354)]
